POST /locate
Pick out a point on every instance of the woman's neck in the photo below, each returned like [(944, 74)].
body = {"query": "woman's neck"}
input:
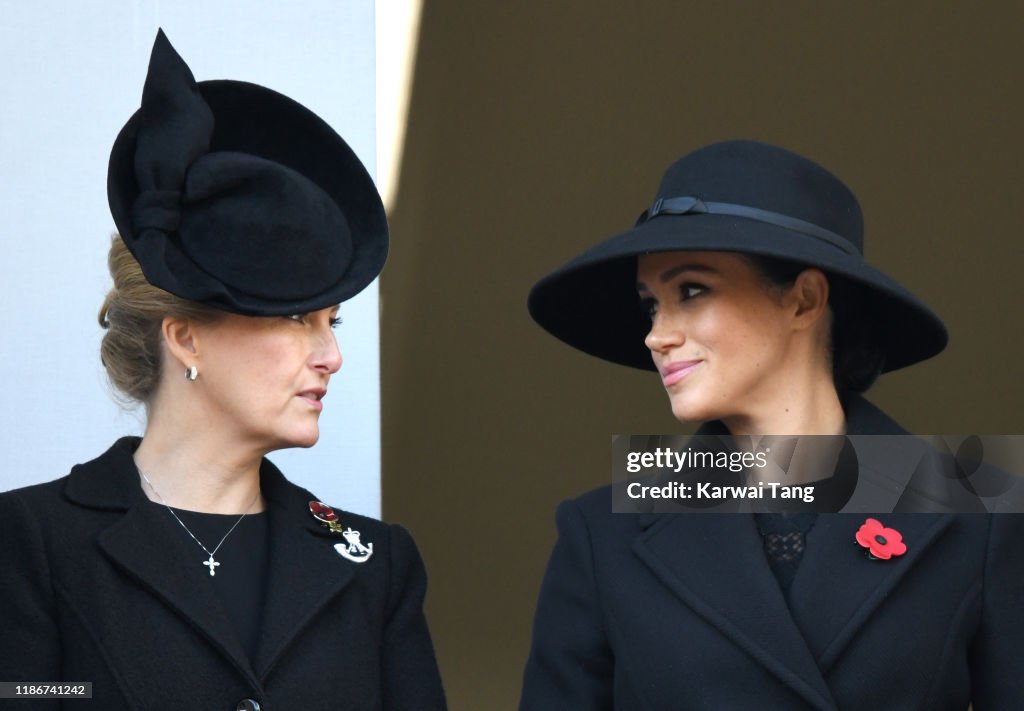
[(191, 468), (795, 408)]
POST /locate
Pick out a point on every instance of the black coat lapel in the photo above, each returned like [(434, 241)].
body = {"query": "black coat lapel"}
[(307, 572), (715, 563), (151, 547), (837, 588)]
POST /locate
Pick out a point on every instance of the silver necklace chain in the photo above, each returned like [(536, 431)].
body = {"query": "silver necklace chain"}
[(210, 562)]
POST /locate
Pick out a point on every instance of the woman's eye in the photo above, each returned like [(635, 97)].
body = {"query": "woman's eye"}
[(690, 291), (648, 307), (333, 322)]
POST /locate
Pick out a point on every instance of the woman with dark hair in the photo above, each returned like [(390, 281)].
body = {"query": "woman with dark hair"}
[(745, 288), (182, 570)]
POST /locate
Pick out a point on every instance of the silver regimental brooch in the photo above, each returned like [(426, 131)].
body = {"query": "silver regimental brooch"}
[(352, 549)]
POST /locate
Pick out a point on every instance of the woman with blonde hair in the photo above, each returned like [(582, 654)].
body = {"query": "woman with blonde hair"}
[(182, 570)]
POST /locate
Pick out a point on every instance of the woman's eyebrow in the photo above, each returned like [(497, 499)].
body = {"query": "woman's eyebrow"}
[(675, 271)]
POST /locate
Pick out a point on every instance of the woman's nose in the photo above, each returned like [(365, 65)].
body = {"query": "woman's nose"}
[(328, 356), (665, 334)]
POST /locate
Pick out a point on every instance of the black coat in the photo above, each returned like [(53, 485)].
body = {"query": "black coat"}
[(95, 588), (681, 612)]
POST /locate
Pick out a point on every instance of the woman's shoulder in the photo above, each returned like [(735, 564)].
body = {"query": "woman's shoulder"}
[(304, 504), (595, 502), (52, 492), (47, 488), (361, 536), (45, 491), (595, 511), (100, 482), (25, 512)]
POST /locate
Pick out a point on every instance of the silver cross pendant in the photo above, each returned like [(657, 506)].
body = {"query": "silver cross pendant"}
[(211, 564)]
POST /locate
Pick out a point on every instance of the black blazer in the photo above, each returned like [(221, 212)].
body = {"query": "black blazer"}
[(681, 612), (95, 588)]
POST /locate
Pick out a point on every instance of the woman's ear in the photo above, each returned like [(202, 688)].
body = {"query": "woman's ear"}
[(809, 297), (181, 340)]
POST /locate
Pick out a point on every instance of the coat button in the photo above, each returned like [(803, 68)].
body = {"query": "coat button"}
[(248, 705)]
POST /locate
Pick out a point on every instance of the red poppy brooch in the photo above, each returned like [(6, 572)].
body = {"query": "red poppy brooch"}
[(879, 542), (326, 516)]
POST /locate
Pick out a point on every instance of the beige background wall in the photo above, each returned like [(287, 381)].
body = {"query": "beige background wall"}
[(538, 128)]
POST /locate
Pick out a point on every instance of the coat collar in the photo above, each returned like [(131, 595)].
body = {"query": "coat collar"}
[(110, 481), (862, 418), (835, 592), (151, 547)]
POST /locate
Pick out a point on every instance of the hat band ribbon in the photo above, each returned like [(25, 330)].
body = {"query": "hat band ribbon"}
[(696, 206)]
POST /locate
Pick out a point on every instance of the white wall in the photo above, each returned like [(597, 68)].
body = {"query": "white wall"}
[(72, 75)]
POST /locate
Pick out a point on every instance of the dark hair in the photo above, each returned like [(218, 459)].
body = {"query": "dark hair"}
[(856, 354)]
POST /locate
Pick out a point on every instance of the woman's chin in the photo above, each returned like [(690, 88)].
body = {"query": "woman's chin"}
[(303, 440), (689, 410), (309, 441)]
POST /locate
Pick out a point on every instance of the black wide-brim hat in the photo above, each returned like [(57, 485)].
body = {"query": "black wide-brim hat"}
[(734, 196), (235, 196)]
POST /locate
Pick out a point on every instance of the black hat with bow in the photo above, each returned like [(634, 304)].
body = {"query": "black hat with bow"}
[(233, 195), (734, 196)]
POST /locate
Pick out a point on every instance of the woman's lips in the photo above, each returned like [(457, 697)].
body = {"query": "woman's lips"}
[(674, 372), (315, 404), (313, 397)]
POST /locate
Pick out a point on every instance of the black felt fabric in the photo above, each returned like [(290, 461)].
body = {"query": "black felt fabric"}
[(95, 587), (233, 195), (665, 612), (591, 303)]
